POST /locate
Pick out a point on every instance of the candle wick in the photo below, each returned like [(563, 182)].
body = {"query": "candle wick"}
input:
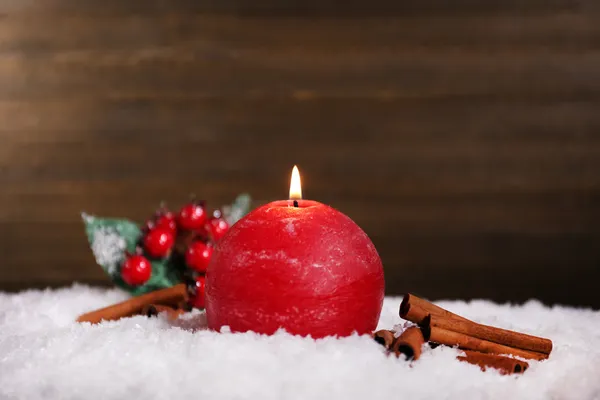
[(296, 203)]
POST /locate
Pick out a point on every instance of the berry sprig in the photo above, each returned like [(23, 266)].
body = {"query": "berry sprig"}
[(168, 249), (158, 241)]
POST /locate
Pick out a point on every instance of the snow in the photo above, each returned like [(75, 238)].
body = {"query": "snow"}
[(108, 247), (44, 354)]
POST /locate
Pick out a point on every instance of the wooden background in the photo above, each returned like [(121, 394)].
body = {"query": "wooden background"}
[(463, 136)]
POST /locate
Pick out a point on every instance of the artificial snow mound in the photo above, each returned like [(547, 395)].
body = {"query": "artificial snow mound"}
[(44, 354)]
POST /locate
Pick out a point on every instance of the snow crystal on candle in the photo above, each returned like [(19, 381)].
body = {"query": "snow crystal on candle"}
[(289, 228)]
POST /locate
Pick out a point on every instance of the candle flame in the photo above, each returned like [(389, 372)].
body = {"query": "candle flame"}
[(295, 185)]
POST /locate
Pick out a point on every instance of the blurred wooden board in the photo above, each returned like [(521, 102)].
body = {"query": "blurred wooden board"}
[(463, 138)]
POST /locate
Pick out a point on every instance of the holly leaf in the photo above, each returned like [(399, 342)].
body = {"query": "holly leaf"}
[(164, 275), (240, 207), (111, 239)]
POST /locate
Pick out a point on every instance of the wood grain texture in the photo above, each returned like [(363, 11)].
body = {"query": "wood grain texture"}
[(464, 138)]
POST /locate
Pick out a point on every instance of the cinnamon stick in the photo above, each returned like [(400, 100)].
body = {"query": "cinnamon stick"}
[(413, 313), (416, 310), (492, 334), (384, 337), (415, 307), (153, 310), (133, 306), (409, 343), (505, 365), (451, 338)]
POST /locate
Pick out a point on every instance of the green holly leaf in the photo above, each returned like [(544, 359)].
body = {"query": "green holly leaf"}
[(240, 207), (164, 274), (111, 239)]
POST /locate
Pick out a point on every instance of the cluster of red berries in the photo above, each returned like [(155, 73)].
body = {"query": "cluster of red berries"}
[(190, 233)]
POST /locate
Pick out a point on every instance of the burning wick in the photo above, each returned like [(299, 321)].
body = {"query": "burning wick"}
[(295, 187)]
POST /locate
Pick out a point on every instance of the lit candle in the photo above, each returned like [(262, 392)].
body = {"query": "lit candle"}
[(295, 186), (298, 265)]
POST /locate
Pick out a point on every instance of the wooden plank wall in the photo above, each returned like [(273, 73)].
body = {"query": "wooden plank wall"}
[(464, 136)]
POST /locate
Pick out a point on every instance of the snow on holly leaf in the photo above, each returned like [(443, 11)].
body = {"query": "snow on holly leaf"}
[(108, 248), (239, 208), (110, 239)]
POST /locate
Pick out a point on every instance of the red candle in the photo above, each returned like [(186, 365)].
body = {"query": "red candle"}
[(298, 265)]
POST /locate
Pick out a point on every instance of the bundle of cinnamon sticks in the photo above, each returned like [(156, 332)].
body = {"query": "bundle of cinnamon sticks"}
[(171, 300), (483, 345)]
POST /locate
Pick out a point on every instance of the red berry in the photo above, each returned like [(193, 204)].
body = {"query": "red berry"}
[(197, 296), (136, 270), (192, 216), (158, 242), (166, 219), (197, 256), (218, 227)]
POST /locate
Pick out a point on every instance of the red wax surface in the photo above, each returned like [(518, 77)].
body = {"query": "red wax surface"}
[(309, 269)]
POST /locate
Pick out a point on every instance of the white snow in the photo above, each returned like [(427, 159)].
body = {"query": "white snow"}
[(44, 354), (108, 247)]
